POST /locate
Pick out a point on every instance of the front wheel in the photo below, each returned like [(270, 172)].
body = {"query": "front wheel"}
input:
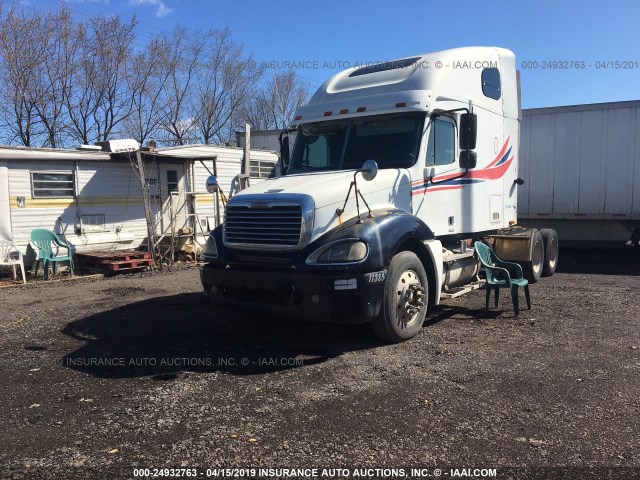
[(404, 306)]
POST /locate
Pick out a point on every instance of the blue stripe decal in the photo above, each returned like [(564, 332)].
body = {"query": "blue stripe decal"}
[(504, 157)]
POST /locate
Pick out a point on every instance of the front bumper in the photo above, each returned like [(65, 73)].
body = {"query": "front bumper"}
[(312, 296)]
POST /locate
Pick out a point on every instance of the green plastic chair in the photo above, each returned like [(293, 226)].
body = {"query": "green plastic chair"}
[(501, 274), (44, 241)]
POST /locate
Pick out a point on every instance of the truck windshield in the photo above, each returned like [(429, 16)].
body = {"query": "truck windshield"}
[(393, 141)]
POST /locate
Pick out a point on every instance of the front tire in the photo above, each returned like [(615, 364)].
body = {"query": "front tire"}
[(406, 293)]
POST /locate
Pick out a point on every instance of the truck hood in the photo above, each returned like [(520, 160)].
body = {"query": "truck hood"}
[(330, 188)]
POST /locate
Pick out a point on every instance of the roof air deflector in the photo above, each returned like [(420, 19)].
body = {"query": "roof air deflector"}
[(385, 66)]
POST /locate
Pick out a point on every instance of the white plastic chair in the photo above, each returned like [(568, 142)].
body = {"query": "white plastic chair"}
[(10, 255)]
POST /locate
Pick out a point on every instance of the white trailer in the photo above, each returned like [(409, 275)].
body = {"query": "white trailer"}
[(581, 171)]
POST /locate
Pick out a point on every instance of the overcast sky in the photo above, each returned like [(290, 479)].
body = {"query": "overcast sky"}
[(326, 36)]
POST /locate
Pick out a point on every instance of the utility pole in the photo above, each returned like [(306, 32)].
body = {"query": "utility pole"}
[(148, 213), (245, 169)]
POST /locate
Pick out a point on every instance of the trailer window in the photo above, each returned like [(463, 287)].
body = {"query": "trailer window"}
[(262, 169), (172, 180), (52, 184), (441, 147), (491, 83), (92, 223)]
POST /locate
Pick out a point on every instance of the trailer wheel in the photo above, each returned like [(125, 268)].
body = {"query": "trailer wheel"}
[(533, 269), (405, 302), (550, 240)]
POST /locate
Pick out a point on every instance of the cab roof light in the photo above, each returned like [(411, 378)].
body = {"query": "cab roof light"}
[(298, 117), (361, 109), (343, 111), (401, 104), (327, 114)]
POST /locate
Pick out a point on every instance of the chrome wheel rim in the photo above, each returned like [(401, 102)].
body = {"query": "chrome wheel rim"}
[(538, 257), (553, 252), (409, 298)]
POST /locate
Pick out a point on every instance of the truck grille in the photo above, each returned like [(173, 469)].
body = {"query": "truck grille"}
[(275, 226)]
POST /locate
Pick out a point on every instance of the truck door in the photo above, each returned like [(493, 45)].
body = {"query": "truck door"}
[(436, 202)]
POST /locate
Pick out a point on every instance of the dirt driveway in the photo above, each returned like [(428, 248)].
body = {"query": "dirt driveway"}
[(100, 378)]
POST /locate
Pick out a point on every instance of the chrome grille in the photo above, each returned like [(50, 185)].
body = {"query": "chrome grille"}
[(274, 226)]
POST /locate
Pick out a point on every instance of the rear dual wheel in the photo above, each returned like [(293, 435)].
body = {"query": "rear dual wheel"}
[(404, 306), (551, 249), (533, 269), (544, 255)]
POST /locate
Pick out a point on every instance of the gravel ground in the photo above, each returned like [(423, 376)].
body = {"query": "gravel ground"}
[(100, 377)]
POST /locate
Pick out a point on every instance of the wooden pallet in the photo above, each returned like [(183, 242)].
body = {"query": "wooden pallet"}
[(114, 261)]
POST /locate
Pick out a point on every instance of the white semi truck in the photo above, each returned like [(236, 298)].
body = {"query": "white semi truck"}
[(395, 169)]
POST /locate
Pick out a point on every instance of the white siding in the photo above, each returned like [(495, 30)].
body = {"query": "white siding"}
[(619, 161), (109, 189), (23, 220), (541, 169), (591, 169), (5, 212), (566, 162)]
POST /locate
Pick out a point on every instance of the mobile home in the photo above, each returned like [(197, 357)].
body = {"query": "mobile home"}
[(93, 198)]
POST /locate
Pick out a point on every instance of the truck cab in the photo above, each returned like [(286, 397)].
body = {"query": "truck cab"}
[(395, 168)]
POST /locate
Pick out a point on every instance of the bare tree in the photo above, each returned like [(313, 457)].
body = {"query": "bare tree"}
[(256, 111), (64, 81), (103, 89), (20, 57), (148, 83), (274, 105), (57, 34), (178, 58), (225, 79)]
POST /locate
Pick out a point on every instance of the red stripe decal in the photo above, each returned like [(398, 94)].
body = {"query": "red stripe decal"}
[(487, 173)]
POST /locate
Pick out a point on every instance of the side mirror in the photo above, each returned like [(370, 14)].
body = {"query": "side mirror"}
[(468, 159), (468, 131), (369, 170), (212, 184)]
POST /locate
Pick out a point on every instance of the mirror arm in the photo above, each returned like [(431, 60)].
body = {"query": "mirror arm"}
[(354, 185)]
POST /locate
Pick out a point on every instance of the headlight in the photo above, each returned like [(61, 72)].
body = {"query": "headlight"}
[(210, 248), (340, 252)]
